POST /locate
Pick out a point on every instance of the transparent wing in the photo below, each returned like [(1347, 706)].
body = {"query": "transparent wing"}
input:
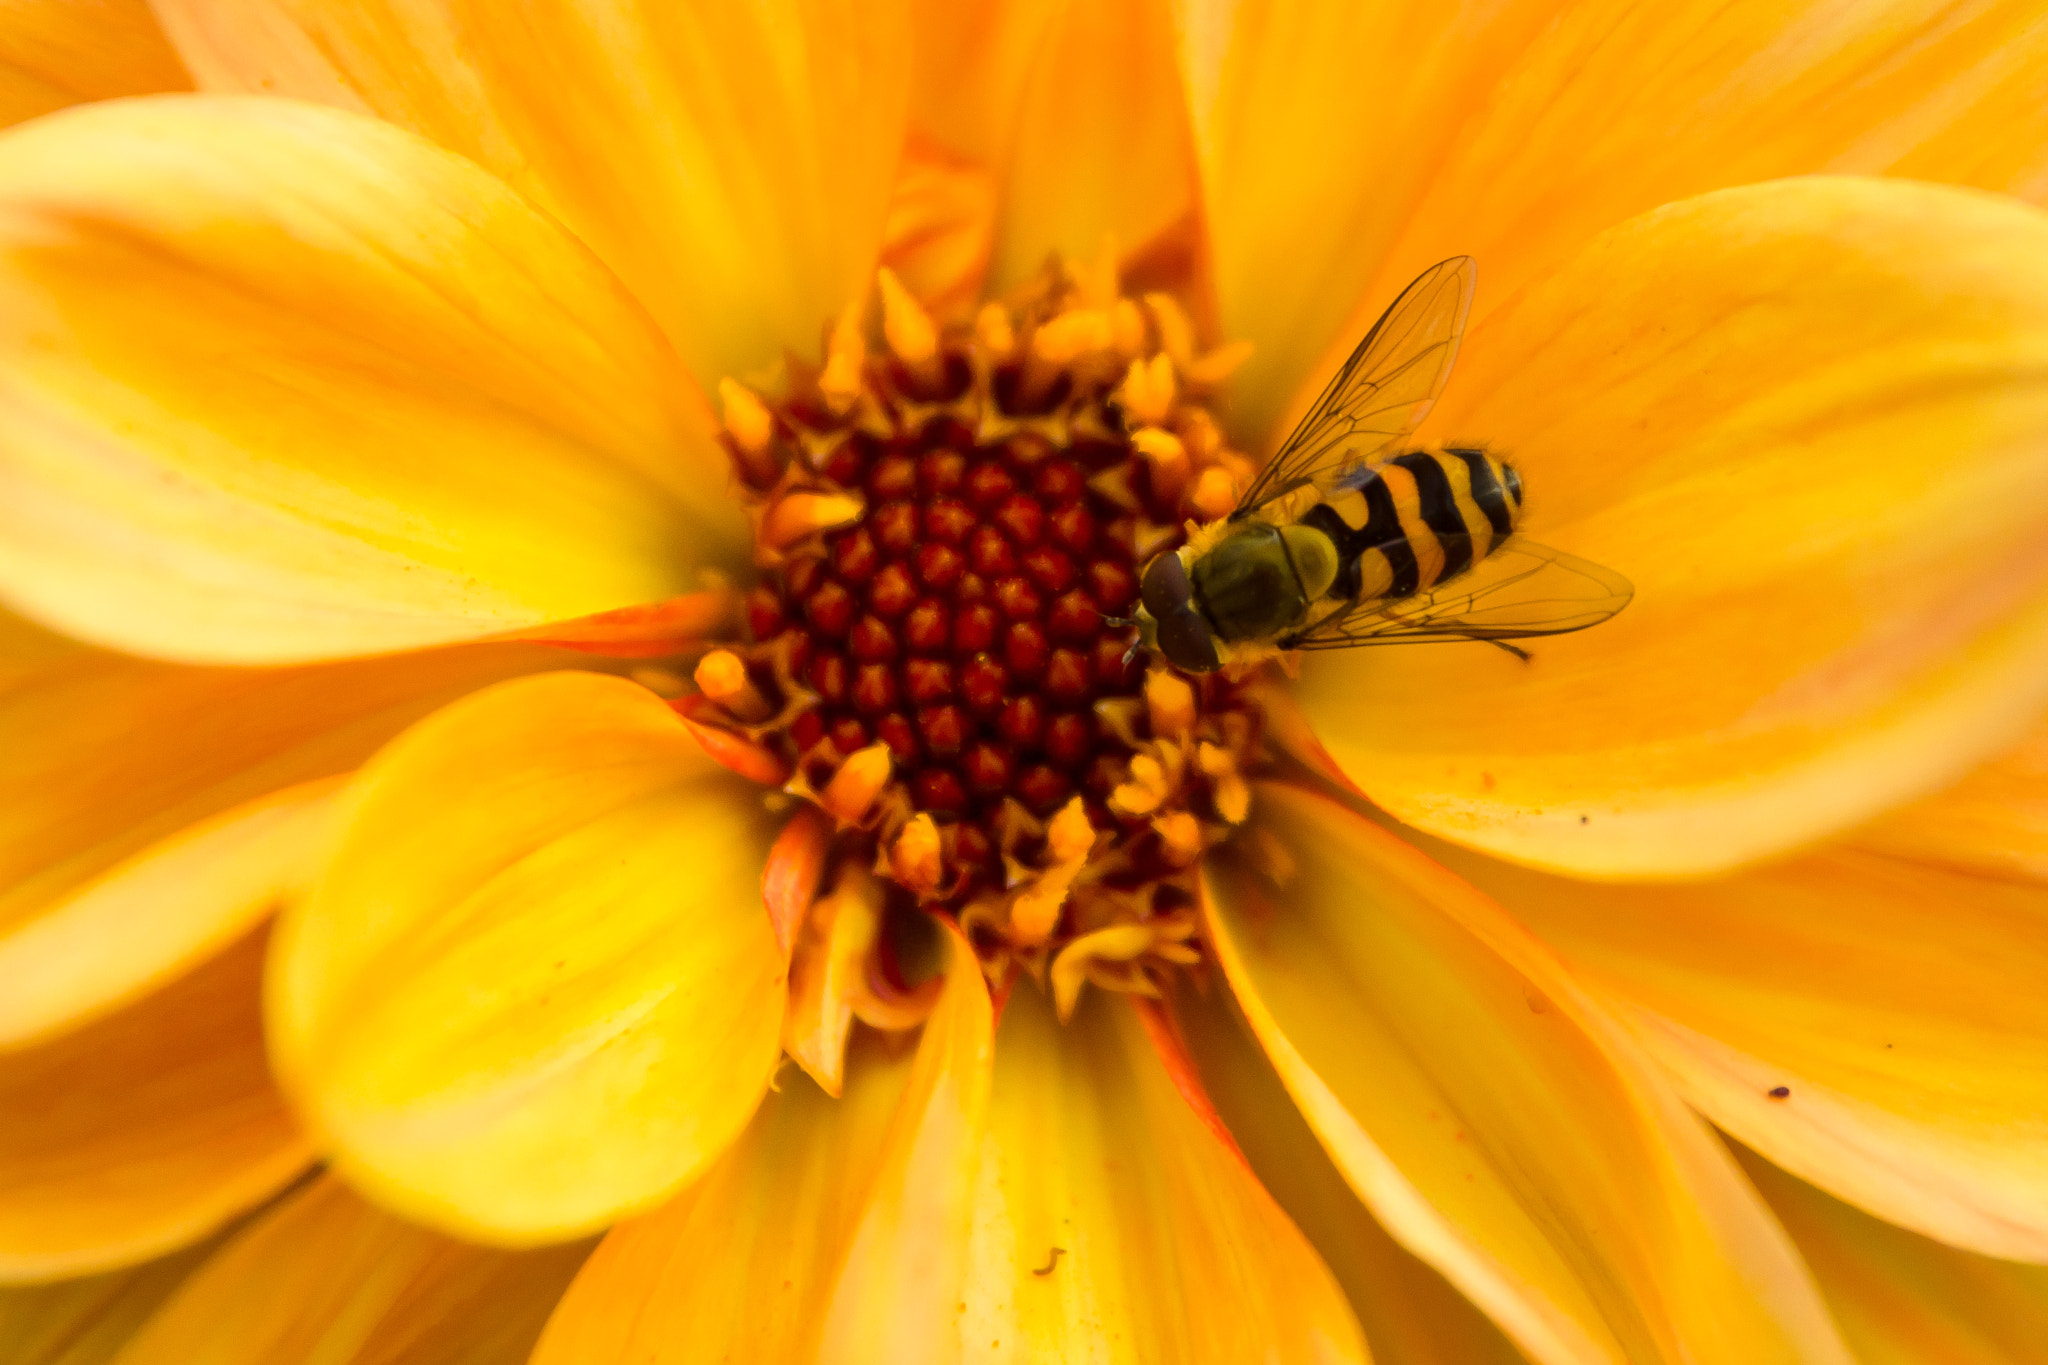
[(1385, 388), (1520, 590)]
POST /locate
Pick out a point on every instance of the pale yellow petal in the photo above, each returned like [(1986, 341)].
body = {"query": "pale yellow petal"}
[(1809, 421), (730, 162), (326, 1277), (1410, 1313), (833, 1230), (151, 813), (284, 383), (59, 52), (1115, 1223), (1902, 1299), (144, 1131), (1898, 1005), (1501, 1125), (534, 986)]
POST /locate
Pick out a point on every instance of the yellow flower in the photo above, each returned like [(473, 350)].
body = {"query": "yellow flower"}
[(375, 465)]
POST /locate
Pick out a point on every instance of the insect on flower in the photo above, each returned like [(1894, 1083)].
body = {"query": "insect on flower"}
[(1334, 546)]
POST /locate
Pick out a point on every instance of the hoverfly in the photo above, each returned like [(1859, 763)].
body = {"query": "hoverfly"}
[(1334, 545)]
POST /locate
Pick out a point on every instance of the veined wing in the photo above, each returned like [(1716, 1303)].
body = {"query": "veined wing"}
[(1520, 590), (1387, 386)]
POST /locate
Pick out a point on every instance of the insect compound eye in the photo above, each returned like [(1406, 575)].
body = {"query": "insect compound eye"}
[(1185, 640), (1164, 589)]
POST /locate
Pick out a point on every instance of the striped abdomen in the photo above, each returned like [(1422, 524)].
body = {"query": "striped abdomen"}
[(1416, 520)]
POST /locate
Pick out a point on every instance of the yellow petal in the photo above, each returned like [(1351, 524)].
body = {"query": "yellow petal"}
[(1902, 1299), (151, 813), (1501, 1126), (832, 1229), (534, 986), (143, 1131), (1316, 127), (1805, 419), (86, 1321), (1615, 108), (1899, 1004), (1411, 1314), (58, 52), (1994, 822), (731, 163), (325, 1277), (398, 406), (1100, 146), (1115, 1223)]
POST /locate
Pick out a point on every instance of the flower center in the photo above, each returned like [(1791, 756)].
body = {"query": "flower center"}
[(949, 532)]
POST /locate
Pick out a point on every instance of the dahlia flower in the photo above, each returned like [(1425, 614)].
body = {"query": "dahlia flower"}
[(573, 785)]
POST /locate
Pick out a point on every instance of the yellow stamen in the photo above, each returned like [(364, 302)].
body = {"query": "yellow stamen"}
[(994, 334), (1215, 494), (1171, 703), (1149, 390), (797, 515), (1167, 456), (853, 789), (722, 676), (1127, 328), (747, 419), (1232, 794), (1110, 956), (846, 356), (1176, 333), (915, 859), (1180, 837), (1145, 792), (826, 972), (1218, 365), (1037, 908), (909, 330), (1071, 335)]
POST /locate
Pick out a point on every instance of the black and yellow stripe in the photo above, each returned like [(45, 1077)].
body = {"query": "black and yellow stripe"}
[(1408, 524)]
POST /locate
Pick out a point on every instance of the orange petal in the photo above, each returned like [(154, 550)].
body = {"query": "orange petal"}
[(825, 1221), (1615, 108), (1501, 1126), (403, 407), (731, 163), (1100, 145), (1115, 1224), (326, 1277), (151, 813), (1737, 402), (1994, 822), (59, 52), (1411, 1314), (86, 1321), (1347, 147), (1899, 1004), (144, 1131), (534, 986), (1902, 1299), (1316, 127)]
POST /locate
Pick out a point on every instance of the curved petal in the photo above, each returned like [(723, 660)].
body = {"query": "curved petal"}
[(1411, 1314), (1901, 1299), (534, 986), (1809, 420), (1316, 128), (150, 814), (1499, 1124), (59, 52), (87, 1321), (730, 162), (326, 1277), (1101, 146), (1616, 108), (1899, 1004), (832, 1230), (1994, 822), (1116, 1222), (402, 408), (144, 1131)]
